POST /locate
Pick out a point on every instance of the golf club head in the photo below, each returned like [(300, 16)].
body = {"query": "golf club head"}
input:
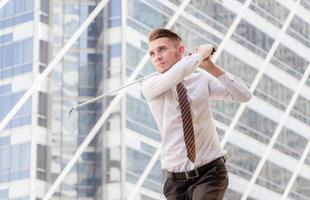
[(69, 113)]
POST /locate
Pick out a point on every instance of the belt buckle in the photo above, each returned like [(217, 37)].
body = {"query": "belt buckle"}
[(189, 176)]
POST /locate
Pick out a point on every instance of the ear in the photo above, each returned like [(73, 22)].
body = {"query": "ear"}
[(181, 50)]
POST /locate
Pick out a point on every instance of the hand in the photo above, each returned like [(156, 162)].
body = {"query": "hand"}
[(205, 50)]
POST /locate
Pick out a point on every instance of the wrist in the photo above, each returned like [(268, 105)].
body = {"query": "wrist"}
[(213, 69)]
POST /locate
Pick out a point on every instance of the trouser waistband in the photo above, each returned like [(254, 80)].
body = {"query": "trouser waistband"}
[(197, 172)]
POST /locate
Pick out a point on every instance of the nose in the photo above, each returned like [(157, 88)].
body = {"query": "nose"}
[(158, 56)]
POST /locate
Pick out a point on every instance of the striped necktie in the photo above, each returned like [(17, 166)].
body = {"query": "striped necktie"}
[(188, 129)]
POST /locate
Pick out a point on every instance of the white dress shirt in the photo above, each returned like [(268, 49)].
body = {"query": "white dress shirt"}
[(160, 92)]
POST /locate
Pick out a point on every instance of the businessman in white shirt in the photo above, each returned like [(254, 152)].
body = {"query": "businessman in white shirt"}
[(179, 99)]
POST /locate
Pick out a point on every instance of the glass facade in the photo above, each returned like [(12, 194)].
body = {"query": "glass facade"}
[(33, 32), (74, 80)]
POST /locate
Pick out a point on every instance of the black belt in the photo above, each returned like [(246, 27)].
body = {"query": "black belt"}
[(197, 172)]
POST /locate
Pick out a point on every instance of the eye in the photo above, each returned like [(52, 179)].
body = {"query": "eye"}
[(161, 49), (151, 54)]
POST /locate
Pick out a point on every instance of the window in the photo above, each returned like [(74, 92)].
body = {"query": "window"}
[(41, 161), (252, 38), (274, 177), (290, 143), (42, 109), (251, 122), (301, 110), (4, 193), (289, 61), (273, 92), (241, 162), (4, 159)]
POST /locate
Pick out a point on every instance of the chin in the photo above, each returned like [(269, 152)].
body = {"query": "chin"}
[(163, 70)]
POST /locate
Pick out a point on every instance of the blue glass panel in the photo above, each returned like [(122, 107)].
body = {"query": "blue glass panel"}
[(14, 175), (91, 43), (4, 194), (15, 157), (1, 57), (22, 69), (8, 23), (115, 22), (8, 9), (25, 121), (4, 141), (26, 109), (6, 104), (27, 68), (7, 73), (87, 91), (18, 51), (30, 5), (18, 19), (89, 156), (9, 55), (27, 49), (115, 50), (6, 38), (19, 6), (4, 177), (24, 155), (23, 18), (1, 13), (4, 159), (23, 174), (20, 121), (18, 70), (28, 17), (115, 8), (4, 89), (4, 58), (1, 110)]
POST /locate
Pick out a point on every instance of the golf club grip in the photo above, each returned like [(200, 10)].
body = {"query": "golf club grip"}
[(213, 50)]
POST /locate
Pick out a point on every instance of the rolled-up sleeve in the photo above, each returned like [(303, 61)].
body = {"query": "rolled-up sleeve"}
[(228, 87)]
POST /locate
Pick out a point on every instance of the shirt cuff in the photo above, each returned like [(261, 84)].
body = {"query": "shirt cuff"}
[(226, 78), (198, 58), (195, 60)]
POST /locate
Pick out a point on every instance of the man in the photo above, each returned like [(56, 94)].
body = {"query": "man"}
[(179, 99)]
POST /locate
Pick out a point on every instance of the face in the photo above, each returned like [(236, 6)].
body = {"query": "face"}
[(164, 53)]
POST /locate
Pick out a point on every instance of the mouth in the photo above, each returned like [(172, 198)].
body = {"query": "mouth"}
[(160, 64)]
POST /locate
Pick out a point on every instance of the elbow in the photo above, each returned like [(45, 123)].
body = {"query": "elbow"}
[(146, 94), (247, 97)]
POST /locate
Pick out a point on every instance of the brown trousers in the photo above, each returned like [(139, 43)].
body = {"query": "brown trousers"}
[(210, 185)]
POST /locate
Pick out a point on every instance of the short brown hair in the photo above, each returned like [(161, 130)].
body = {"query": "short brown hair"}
[(162, 32)]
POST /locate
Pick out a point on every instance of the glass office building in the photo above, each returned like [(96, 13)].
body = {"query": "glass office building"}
[(39, 141)]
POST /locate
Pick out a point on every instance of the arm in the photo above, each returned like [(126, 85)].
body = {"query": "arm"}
[(157, 85), (224, 85)]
